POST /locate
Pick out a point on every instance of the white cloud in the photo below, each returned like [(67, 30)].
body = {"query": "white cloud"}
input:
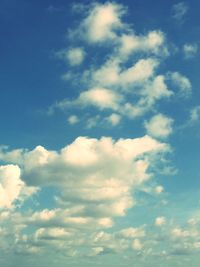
[(139, 72), (159, 189), (89, 175), (75, 56), (190, 50), (114, 119), (100, 97), (102, 22), (159, 126), (160, 221), (137, 245), (10, 185), (131, 43)]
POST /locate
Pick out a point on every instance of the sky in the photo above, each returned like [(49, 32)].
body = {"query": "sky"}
[(100, 133)]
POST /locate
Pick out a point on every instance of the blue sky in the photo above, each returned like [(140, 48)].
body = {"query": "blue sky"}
[(100, 117)]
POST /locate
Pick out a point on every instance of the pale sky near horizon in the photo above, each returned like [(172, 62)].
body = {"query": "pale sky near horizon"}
[(100, 135)]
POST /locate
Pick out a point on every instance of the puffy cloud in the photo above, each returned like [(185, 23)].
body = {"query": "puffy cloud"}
[(137, 245), (100, 97), (89, 174), (111, 73), (159, 189), (121, 82), (159, 126), (102, 22), (75, 56), (10, 184), (114, 119), (131, 43), (160, 221)]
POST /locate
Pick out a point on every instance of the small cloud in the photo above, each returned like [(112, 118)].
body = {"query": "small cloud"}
[(114, 119), (179, 11), (159, 126), (190, 50), (136, 245), (74, 56), (159, 189), (73, 119), (160, 221), (195, 114)]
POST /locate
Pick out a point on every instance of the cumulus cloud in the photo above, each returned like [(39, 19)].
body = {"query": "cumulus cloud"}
[(89, 173), (102, 22), (159, 126), (124, 80), (10, 185), (152, 42)]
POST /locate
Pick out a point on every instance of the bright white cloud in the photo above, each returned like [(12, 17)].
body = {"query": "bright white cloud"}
[(10, 184), (100, 97), (89, 173), (102, 21), (152, 42), (159, 126)]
